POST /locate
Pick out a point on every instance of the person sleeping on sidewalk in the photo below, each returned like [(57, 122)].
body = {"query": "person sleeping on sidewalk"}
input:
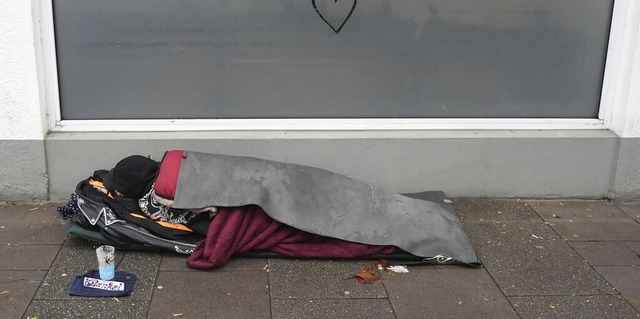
[(254, 206)]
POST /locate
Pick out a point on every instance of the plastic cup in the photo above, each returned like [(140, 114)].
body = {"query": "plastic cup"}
[(106, 262)]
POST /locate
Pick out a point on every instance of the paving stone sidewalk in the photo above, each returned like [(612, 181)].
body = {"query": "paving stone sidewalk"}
[(541, 259)]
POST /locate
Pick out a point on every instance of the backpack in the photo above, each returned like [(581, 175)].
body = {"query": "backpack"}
[(120, 223)]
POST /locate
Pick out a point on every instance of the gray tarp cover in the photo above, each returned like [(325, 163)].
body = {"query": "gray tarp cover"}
[(324, 203)]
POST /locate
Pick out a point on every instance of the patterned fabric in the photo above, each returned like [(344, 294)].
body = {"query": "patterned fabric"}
[(148, 205), (159, 212), (67, 211)]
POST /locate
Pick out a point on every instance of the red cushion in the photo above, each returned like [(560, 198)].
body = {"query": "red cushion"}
[(167, 179)]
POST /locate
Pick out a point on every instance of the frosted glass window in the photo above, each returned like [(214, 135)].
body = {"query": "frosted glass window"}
[(211, 59)]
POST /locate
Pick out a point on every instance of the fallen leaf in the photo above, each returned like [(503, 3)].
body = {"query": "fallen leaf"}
[(4, 292), (116, 299), (265, 268), (369, 275), (386, 235), (177, 314), (32, 209), (460, 302), (552, 306), (561, 204)]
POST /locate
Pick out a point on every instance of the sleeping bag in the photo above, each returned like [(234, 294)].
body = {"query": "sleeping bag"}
[(315, 201)]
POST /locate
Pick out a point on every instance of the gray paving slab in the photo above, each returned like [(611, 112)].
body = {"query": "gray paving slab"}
[(447, 292), (145, 266), (305, 278), (211, 294), (508, 209), (572, 209), (632, 209), (27, 256), (528, 258), (525, 259), (602, 230), (332, 308), (588, 220), (31, 224), (171, 261), (103, 308), (635, 246), (609, 253), (16, 290), (625, 279), (77, 256), (577, 307)]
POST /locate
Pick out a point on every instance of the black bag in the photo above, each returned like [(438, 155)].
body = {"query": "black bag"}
[(116, 221)]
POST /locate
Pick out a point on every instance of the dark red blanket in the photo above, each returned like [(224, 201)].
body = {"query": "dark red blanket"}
[(237, 230)]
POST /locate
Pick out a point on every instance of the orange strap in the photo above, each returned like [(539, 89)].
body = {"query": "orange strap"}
[(165, 224), (95, 183)]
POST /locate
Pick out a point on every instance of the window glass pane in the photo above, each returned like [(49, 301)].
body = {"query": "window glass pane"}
[(134, 59)]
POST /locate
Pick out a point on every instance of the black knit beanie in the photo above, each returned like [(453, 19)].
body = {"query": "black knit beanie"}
[(132, 176)]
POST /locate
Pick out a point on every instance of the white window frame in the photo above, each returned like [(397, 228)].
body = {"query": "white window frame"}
[(607, 111)]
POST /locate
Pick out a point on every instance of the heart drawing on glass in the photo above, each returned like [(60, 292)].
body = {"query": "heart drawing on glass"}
[(334, 13)]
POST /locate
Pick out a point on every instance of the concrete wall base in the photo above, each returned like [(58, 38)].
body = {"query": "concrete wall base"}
[(23, 171), (627, 178), (461, 163)]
